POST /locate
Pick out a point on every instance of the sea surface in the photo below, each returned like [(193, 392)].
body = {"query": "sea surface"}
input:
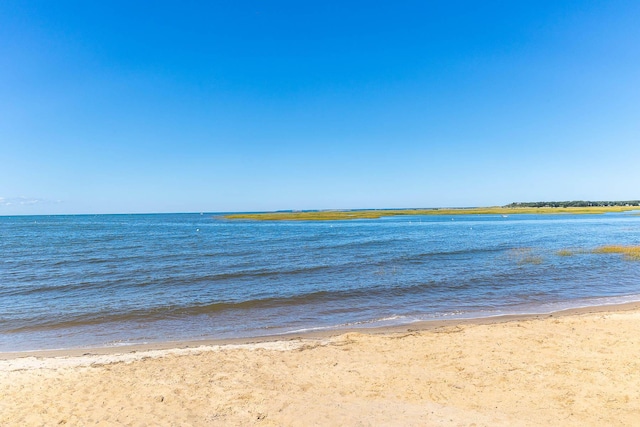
[(111, 280)]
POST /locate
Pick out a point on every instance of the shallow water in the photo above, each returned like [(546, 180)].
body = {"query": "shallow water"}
[(83, 280)]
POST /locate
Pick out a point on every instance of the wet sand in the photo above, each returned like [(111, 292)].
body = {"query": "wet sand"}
[(579, 367)]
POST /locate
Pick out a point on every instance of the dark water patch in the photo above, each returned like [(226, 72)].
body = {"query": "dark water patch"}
[(173, 311)]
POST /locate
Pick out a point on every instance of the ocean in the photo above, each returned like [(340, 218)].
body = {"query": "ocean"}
[(114, 280)]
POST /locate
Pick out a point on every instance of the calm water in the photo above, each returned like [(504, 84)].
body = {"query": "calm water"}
[(69, 281)]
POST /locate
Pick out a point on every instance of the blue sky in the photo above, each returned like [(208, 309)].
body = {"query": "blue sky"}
[(110, 107)]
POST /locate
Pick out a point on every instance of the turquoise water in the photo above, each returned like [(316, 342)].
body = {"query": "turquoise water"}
[(106, 280)]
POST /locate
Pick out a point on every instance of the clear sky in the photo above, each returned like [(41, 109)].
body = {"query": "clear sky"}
[(123, 106)]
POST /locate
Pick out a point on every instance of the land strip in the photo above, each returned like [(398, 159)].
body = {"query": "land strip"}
[(336, 215)]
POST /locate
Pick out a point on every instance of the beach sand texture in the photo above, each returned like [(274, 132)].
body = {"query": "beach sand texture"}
[(570, 370)]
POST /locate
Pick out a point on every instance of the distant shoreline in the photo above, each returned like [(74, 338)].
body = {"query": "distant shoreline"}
[(336, 215)]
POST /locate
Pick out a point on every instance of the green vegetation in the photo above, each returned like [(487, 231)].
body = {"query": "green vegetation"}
[(564, 252), (524, 256), (333, 215), (629, 252), (573, 204)]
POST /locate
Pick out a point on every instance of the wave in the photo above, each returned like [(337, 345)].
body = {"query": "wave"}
[(178, 273), (182, 278), (473, 251), (355, 296), (374, 242)]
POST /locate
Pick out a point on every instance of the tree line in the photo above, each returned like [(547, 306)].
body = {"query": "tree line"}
[(571, 204)]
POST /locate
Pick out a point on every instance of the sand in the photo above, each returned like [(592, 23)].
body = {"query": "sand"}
[(568, 370)]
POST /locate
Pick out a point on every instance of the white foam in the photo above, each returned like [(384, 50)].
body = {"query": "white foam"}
[(61, 362)]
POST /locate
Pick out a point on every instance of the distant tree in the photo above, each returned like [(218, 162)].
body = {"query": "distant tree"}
[(573, 203)]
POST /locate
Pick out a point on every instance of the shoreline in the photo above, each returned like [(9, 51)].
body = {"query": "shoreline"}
[(575, 367), (353, 214), (158, 349)]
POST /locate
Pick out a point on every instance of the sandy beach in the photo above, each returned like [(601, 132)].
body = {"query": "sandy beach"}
[(571, 369)]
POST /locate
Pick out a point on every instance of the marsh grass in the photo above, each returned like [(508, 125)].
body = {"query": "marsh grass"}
[(564, 252), (629, 252), (524, 256), (535, 260), (336, 215)]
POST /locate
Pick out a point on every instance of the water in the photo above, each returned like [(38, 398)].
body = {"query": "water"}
[(106, 280)]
